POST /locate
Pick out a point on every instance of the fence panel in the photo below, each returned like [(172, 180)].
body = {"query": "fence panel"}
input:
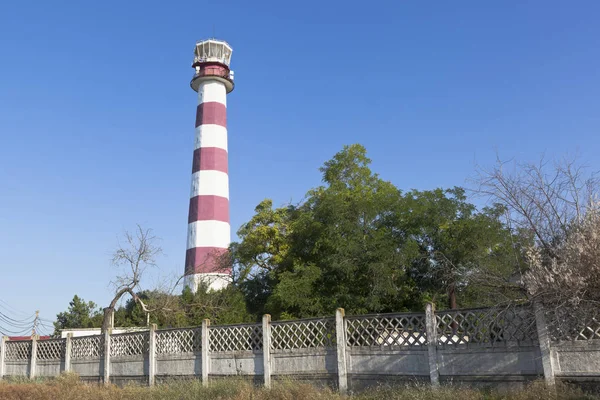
[(87, 347), (53, 349), (235, 337), (18, 350), (583, 324), (302, 334), (179, 341), (129, 344), (405, 329), (492, 326)]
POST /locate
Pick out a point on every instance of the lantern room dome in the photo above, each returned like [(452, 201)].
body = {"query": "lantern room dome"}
[(212, 50)]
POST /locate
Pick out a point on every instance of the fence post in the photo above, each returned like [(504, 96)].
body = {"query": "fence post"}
[(544, 342), (431, 328), (68, 347), (266, 326), (106, 365), (340, 336), (33, 362), (152, 355), (204, 353), (3, 341)]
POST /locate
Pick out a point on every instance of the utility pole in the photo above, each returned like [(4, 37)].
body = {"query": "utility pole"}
[(35, 323)]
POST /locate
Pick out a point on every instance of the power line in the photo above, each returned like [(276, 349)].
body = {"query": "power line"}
[(16, 321), (6, 332), (45, 322), (46, 329), (12, 325), (16, 326), (11, 309)]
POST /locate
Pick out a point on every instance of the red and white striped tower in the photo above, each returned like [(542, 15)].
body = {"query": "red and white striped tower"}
[(208, 219)]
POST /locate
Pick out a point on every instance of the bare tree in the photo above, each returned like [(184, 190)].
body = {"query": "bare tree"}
[(545, 199), (556, 204), (573, 276), (135, 255), (568, 284)]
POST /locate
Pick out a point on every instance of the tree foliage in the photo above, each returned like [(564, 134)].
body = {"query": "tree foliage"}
[(158, 306), (460, 249), (226, 306), (80, 314), (358, 242)]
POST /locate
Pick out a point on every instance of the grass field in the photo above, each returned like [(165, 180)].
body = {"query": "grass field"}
[(68, 387)]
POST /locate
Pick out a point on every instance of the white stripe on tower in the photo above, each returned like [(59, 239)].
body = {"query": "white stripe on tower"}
[(209, 231)]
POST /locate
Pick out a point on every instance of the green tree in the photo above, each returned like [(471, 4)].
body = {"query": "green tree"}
[(344, 249), (358, 242), (80, 314), (337, 249), (161, 308), (263, 253), (460, 251), (225, 306)]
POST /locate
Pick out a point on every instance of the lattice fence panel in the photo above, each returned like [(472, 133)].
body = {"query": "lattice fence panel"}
[(52, 349), (18, 350), (492, 326), (87, 347), (386, 330), (568, 324), (129, 344), (235, 337), (179, 341), (303, 334)]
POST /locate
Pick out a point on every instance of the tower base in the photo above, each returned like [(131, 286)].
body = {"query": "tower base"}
[(214, 281)]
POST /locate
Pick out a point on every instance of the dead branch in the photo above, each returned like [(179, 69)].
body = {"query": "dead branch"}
[(543, 198), (137, 253)]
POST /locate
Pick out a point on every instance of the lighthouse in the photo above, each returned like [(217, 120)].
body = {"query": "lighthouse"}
[(209, 231)]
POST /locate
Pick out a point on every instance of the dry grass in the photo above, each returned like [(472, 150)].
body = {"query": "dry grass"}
[(534, 391), (68, 387)]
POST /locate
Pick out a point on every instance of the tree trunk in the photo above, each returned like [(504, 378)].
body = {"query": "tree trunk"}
[(452, 297), (109, 311), (453, 306), (108, 320)]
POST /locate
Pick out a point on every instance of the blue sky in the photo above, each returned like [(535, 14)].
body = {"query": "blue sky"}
[(97, 116)]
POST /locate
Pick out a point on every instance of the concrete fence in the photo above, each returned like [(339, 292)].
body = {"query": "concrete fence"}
[(500, 346)]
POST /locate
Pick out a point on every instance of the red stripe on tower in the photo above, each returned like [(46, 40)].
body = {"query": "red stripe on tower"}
[(204, 256), (207, 208), (210, 158), (211, 113)]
